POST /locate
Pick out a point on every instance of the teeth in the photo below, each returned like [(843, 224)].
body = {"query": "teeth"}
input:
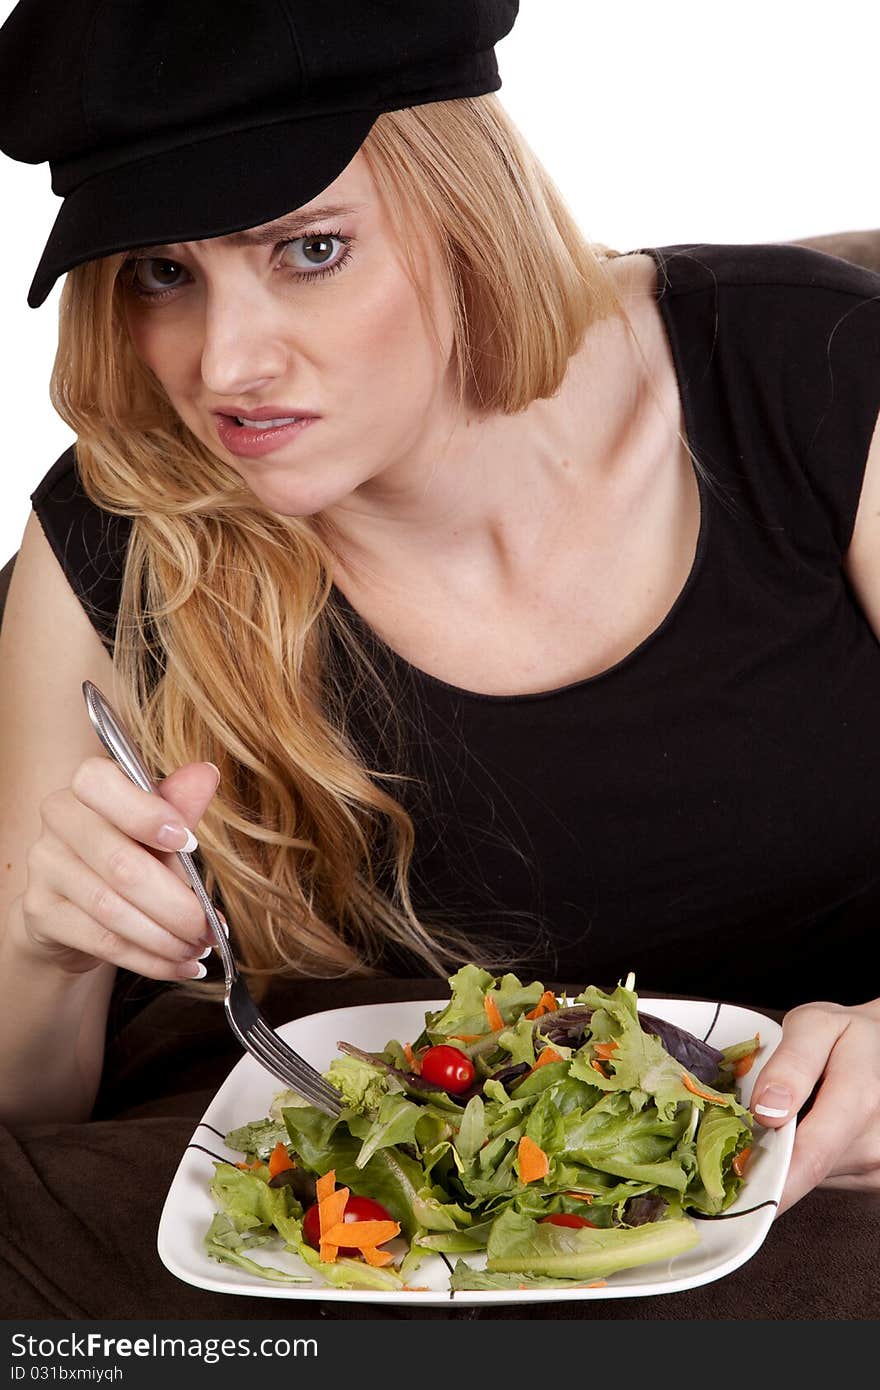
[(265, 424)]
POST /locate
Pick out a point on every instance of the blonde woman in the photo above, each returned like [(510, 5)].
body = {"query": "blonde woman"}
[(538, 626)]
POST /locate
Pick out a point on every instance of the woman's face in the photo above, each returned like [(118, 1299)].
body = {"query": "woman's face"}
[(320, 320)]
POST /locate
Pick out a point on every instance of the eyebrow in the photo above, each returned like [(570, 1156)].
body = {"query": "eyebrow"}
[(292, 225)]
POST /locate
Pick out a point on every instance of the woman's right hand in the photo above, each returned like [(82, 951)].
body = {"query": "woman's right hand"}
[(104, 883)]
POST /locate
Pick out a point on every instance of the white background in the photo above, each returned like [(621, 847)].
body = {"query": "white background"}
[(690, 120)]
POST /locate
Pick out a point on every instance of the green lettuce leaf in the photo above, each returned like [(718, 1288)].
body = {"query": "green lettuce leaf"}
[(518, 1244)]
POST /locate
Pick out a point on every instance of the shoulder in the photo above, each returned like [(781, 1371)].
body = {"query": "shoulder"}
[(90, 543), (700, 266)]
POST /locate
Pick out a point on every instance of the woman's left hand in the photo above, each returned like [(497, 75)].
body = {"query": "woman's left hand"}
[(838, 1142)]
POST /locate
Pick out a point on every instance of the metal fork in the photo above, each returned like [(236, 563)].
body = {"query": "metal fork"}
[(245, 1019)]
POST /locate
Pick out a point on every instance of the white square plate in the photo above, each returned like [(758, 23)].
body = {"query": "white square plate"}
[(725, 1242)]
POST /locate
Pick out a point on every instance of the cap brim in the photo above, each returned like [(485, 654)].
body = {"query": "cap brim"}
[(202, 190)]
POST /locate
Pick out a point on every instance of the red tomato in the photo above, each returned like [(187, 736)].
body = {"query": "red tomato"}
[(566, 1218), (448, 1068), (356, 1209)]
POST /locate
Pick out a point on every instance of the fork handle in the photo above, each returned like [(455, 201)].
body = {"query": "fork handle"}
[(120, 747)]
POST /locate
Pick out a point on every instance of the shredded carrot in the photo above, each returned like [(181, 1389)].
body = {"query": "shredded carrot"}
[(493, 1013), (744, 1064), (325, 1185), (336, 1232), (466, 1037), (280, 1159), (579, 1196), (597, 1066), (362, 1234), (257, 1163), (331, 1210), (548, 1054), (414, 1064), (533, 1162), (547, 1004), (695, 1090), (596, 1284), (605, 1050), (740, 1160)]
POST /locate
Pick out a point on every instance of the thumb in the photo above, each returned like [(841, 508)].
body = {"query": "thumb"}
[(190, 789)]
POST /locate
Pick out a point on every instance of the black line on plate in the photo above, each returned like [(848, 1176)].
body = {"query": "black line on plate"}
[(706, 1036), (442, 1254), (204, 1125), (219, 1157), (730, 1215)]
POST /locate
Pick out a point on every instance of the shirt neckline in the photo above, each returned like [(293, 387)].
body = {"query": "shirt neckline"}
[(424, 677)]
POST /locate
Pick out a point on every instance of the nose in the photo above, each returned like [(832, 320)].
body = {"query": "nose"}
[(244, 348)]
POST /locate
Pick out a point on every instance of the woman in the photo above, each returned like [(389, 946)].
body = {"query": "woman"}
[(525, 633)]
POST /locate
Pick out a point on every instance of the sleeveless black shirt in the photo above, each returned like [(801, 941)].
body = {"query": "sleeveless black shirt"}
[(706, 812)]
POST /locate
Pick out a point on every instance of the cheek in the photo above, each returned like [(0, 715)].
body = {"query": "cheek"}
[(163, 352), (392, 342)]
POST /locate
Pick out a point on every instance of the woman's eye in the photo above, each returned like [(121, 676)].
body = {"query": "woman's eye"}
[(315, 253), (149, 276)]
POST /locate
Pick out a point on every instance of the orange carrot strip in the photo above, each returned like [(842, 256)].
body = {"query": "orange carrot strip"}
[(280, 1159), (361, 1234), (579, 1196), (695, 1090), (740, 1161), (325, 1185), (549, 1054), (605, 1050), (547, 1004), (414, 1064), (596, 1284), (466, 1037), (372, 1256), (533, 1162), (331, 1210), (744, 1064), (597, 1066), (493, 1013), (257, 1163)]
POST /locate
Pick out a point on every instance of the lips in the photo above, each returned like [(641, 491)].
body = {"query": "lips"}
[(253, 441), (268, 412)]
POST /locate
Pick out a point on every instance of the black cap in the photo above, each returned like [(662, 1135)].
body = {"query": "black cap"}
[(179, 120)]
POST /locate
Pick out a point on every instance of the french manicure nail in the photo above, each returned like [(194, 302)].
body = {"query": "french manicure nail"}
[(775, 1104), (200, 972), (177, 837), (207, 951)]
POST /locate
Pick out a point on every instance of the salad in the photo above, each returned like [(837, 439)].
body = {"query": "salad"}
[(532, 1141)]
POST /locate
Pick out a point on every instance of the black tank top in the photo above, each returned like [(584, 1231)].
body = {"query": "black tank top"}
[(706, 812)]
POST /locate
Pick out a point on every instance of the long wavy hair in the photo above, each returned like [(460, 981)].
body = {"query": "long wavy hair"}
[(228, 629)]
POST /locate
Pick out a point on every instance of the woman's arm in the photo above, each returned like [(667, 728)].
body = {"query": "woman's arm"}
[(51, 1022), (828, 1048)]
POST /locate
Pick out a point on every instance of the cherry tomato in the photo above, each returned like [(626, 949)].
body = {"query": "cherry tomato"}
[(356, 1209), (566, 1218), (447, 1067)]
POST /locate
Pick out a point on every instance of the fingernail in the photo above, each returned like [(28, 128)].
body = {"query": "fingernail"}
[(775, 1104), (207, 951), (217, 770), (223, 924), (199, 972), (177, 837)]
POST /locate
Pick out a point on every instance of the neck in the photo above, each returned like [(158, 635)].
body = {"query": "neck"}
[(485, 494)]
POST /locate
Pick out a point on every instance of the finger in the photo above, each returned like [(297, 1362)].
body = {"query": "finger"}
[(840, 1112), (145, 816), (790, 1074), (190, 790), (71, 927), (86, 859)]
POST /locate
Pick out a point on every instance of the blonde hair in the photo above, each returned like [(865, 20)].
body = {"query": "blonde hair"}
[(225, 638)]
